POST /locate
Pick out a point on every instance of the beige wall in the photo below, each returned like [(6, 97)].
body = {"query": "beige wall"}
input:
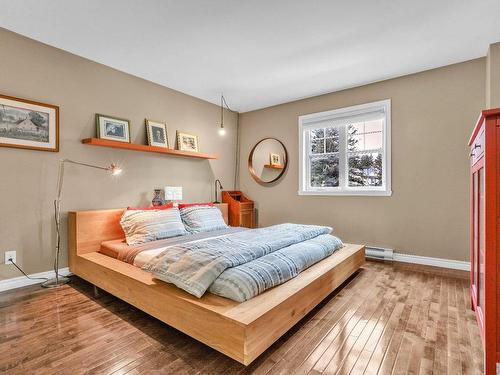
[(493, 76), (433, 114), (81, 88)]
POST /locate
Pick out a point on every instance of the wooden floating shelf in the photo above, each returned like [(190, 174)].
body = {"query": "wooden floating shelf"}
[(271, 166), (145, 148)]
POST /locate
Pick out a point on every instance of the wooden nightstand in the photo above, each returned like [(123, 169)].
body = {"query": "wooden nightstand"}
[(241, 209)]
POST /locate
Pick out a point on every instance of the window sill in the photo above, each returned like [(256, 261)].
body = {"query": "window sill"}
[(365, 193)]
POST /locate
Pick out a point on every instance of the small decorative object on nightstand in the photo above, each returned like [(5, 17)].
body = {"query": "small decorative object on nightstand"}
[(241, 209), (157, 199)]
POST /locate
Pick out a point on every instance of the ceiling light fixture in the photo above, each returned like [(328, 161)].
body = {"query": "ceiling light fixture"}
[(223, 102)]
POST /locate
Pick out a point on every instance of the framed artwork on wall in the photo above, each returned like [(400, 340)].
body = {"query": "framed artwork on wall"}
[(187, 142), (275, 159), (112, 128), (157, 133), (28, 124)]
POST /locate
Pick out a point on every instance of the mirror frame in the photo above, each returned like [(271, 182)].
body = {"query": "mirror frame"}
[(251, 169)]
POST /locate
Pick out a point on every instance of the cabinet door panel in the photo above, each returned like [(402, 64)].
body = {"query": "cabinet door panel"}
[(480, 239), (474, 233), (247, 218)]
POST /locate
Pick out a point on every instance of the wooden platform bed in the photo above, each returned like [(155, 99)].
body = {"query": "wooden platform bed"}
[(241, 331)]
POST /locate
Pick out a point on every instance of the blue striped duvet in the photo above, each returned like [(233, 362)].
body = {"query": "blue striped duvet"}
[(250, 279), (241, 265)]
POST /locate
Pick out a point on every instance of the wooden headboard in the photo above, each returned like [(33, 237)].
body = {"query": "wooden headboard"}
[(88, 229)]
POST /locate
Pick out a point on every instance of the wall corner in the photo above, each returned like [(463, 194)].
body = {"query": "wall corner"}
[(493, 76)]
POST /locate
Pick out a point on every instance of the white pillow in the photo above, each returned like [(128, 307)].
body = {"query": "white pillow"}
[(202, 218), (149, 225)]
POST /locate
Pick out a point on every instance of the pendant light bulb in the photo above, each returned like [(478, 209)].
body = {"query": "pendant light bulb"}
[(222, 131)]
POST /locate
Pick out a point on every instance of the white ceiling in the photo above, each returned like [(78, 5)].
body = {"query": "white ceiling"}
[(258, 52)]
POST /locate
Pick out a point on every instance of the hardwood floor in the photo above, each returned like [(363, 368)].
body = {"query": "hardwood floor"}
[(387, 319)]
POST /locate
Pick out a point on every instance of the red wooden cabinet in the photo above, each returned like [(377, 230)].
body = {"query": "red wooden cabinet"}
[(485, 225), (241, 209)]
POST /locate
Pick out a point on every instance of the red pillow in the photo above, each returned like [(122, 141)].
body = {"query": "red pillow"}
[(165, 206), (182, 205)]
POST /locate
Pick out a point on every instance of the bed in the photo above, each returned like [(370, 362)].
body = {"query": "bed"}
[(241, 331)]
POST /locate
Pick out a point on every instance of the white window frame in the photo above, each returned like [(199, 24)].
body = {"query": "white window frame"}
[(311, 121)]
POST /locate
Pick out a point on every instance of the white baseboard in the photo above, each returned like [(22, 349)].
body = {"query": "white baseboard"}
[(435, 262), (19, 282), (388, 254)]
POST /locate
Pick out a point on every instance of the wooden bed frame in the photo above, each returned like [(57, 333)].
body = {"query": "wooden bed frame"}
[(241, 331)]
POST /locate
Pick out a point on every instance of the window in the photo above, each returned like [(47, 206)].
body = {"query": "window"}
[(346, 151)]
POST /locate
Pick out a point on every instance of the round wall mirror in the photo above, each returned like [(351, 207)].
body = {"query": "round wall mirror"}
[(268, 160)]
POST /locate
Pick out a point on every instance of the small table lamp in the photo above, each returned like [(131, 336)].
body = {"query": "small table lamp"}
[(61, 280), (173, 193), (217, 185)]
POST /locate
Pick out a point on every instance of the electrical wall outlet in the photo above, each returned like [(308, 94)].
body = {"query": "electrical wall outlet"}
[(10, 255)]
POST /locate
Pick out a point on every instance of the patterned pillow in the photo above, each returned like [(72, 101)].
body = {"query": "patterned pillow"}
[(202, 219), (149, 225)]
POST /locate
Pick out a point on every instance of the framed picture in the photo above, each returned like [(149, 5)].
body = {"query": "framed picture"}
[(112, 128), (157, 133), (28, 124), (187, 142), (275, 159)]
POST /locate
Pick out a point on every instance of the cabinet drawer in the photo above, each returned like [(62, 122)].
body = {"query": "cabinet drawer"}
[(477, 147)]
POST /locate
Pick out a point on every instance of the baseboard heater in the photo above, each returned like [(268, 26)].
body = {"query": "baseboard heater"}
[(380, 253)]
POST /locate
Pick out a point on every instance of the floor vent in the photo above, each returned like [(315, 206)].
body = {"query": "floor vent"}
[(379, 253)]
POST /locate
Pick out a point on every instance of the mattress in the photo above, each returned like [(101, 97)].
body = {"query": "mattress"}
[(114, 248)]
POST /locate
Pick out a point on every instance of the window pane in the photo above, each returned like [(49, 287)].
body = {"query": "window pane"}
[(332, 145), (365, 169), (325, 171), (318, 146), (332, 132), (357, 128), (356, 143), (352, 143), (373, 141), (317, 133), (373, 126)]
